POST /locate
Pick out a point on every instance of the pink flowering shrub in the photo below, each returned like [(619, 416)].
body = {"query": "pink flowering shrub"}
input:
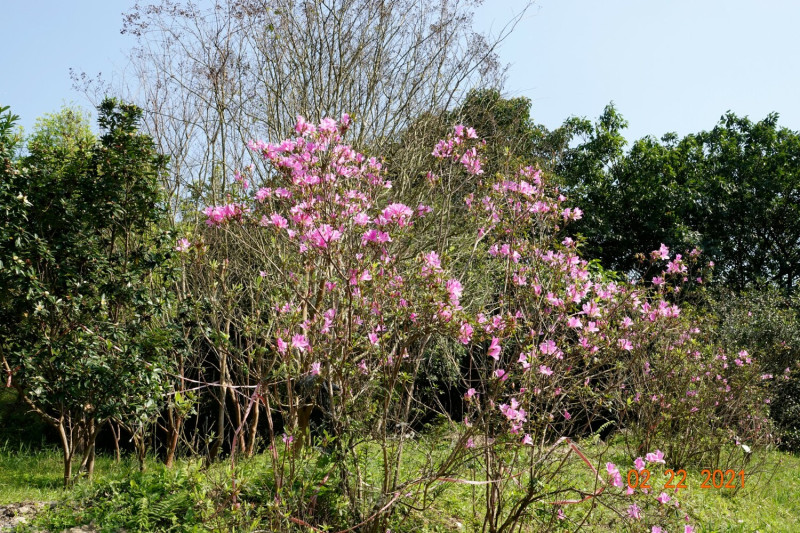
[(348, 298), (344, 302), (691, 398)]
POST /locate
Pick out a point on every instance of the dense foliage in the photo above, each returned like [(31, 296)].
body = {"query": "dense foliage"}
[(733, 191), (90, 255)]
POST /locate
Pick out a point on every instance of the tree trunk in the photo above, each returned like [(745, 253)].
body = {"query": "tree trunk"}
[(90, 466), (66, 449), (212, 453), (176, 423), (223, 394), (253, 433), (237, 411), (141, 450), (117, 433), (92, 429)]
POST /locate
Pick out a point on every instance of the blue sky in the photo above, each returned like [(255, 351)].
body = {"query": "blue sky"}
[(668, 65), (674, 65), (40, 40)]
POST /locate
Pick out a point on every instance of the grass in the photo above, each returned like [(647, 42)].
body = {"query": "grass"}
[(773, 504), (28, 474), (31, 469), (121, 496), (770, 500)]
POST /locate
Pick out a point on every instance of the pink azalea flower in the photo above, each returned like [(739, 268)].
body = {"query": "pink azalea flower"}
[(613, 472), (465, 333), (663, 498), (591, 310), (656, 457), (361, 219), (278, 221), (688, 529), (574, 322), (432, 262), (327, 126), (302, 127), (661, 253), (639, 463), (545, 370), (470, 393), (472, 162), (548, 347), (300, 342), (567, 416), (373, 338), (634, 511), (315, 368), (263, 193), (323, 235), (183, 245), (399, 213), (423, 210), (455, 290), (494, 349), (281, 345), (527, 440), (676, 266)]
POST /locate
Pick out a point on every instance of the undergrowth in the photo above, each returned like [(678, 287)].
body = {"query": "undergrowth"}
[(191, 498)]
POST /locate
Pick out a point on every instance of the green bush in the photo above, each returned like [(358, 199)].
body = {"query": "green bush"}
[(156, 500), (785, 409), (767, 325)]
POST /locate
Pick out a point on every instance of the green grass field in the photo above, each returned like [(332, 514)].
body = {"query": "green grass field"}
[(183, 499), (769, 502)]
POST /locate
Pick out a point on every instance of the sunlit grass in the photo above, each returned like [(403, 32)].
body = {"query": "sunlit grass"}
[(770, 502)]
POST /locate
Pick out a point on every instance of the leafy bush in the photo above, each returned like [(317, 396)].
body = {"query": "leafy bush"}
[(785, 409), (157, 500), (766, 324), (353, 300)]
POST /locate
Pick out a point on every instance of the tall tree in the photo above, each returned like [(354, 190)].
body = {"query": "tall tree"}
[(73, 335), (750, 210), (211, 78), (734, 191)]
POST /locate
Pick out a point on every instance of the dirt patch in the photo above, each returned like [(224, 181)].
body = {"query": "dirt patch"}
[(13, 515)]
